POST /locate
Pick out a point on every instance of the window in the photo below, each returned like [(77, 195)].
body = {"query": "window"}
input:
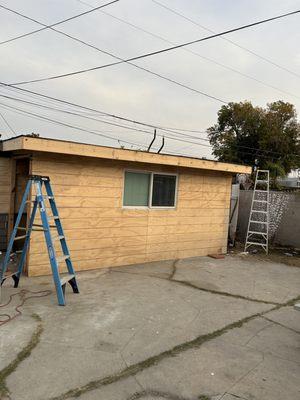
[(148, 189), (136, 189), (163, 190)]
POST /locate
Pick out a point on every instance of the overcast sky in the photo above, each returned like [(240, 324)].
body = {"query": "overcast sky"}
[(130, 92)]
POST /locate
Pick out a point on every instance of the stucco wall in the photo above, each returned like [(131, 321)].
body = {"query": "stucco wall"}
[(284, 217)]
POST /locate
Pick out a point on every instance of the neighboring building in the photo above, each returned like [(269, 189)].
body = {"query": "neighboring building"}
[(292, 180), (119, 206)]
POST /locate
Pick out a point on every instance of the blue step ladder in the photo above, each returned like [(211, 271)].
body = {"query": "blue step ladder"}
[(60, 280)]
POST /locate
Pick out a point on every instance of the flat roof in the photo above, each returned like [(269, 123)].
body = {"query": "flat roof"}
[(46, 145)]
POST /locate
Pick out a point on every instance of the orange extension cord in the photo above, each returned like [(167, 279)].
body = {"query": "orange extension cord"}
[(21, 293)]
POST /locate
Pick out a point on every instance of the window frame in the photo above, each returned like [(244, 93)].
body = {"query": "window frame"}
[(149, 206)]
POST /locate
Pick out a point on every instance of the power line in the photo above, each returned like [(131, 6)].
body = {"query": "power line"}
[(93, 132), (27, 91), (228, 40), (8, 125), (134, 26), (158, 75), (49, 26), (169, 137), (161, 51), (22, 90)]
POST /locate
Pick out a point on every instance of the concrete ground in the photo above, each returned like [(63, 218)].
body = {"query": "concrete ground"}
[(179, 330)]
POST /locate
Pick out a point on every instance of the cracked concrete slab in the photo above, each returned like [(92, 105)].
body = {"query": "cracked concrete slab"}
[(242, 276), (136, 331)]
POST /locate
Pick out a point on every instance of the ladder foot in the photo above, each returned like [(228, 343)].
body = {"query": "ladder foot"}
[(16, 279), (73, 284)]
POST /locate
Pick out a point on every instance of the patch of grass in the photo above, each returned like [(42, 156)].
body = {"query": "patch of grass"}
[(24, 353)]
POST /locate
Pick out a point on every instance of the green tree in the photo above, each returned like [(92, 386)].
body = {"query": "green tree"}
[(266, 137)]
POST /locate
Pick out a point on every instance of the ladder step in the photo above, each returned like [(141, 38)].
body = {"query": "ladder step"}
[(62, 258), (261, 181), (261, 191), (259, 211), (20, 237), (53, 217), (22, 228), (258, 222), (260, 201), (257, 233), (256, 243), (66, 279)]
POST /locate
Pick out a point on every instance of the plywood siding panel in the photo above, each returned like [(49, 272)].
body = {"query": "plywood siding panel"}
[(100, 233), (5, 184)]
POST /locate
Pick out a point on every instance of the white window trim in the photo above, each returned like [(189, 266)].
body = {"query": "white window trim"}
[(151, 173)]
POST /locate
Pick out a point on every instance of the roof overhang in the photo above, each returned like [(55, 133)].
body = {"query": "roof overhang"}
[(34, 144)]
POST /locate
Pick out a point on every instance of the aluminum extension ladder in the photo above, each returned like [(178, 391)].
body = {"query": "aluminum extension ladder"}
[(258, 225), (38, 182)]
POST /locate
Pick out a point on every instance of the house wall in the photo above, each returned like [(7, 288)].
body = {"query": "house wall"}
[(100, 233), (6, 214)]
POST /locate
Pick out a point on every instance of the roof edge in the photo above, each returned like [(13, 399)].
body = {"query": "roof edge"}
[(90, 150)]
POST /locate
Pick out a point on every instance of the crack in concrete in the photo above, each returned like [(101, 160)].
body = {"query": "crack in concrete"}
[(282, 325), (257, 333), (174, 270), (163, 395), (193, 286), (244, 376), (24, 353), (134, 369)]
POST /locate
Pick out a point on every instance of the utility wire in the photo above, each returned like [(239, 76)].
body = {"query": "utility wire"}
[(158, 75), (8, 125), (227, 67), (22, 90), (228, 40), (41, 117), (169, 137), (161, 51), (69, 103), (93, 132), (48, 26)]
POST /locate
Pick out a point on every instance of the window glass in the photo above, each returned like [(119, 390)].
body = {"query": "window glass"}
[(136, 189), (163, 190)]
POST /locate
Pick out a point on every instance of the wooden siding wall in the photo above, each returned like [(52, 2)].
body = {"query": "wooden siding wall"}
[(5, 184), (100, 233), (7, 174)]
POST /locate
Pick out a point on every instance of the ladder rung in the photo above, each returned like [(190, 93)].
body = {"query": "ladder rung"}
[(59, 237), (258, 222), (260, 211), (53, 217), (261, 191), (20, 237), (261, 181), (62, 258), (260, 201), (66, 279), (256, 243), (21, 228), (258, 233)]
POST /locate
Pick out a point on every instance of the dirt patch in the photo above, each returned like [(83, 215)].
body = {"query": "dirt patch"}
[(283, 255)]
